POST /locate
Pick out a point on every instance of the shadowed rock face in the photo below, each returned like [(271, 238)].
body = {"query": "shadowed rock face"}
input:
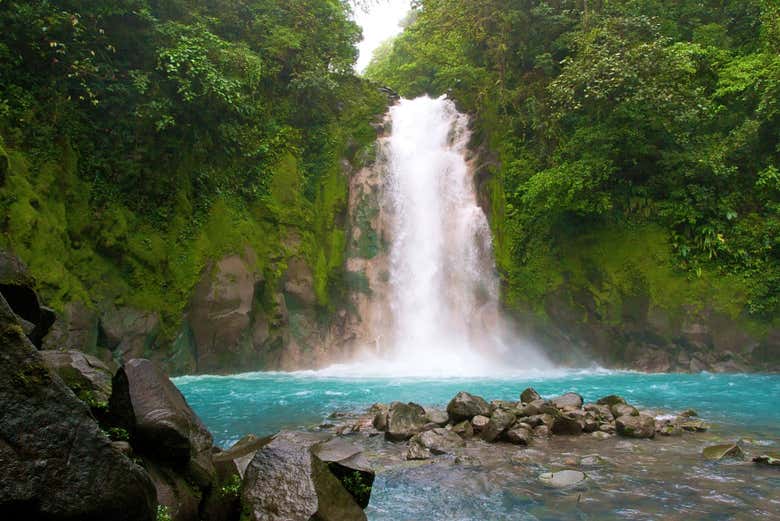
[(286, 482), (55, 463), (87, 376), (160, 423)]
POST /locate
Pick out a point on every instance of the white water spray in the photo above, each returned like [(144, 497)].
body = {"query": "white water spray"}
[(443, 291)]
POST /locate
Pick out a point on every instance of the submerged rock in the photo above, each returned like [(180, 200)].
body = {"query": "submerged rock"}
[(465, 406), (404, 420), (286, 482), (772, 459), (563, 478), (725, 451), (694, 426), (641, 426)]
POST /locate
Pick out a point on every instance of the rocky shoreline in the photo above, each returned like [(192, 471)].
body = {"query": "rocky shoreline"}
[(82, 439)]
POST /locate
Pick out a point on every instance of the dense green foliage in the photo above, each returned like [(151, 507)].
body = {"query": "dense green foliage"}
[(617, 119), (142, 138)]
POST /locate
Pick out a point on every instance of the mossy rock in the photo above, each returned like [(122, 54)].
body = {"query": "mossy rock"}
[(723, 451)]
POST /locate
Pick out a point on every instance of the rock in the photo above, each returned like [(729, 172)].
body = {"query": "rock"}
[(519, 435), (465, 406), (529, 395), (719, 452), (437, 416), (601, 435), (499, 422), (286, 482), (542, 431), (694, 426), (772, 459), (174, 492), (417, 452), (220, 311), (67, 469), (129, 332), (600, 412), (642, 426), (572, 400), (76, 329), (161, 424), (478, 423), (404, 420), (563, 478), (88, 377), (592, 460), (690, 413), (566, 424), (18, 288), (668, 428), (619, 410), (611, 400), (346, 461), (463, 429), (123, 447), (241, 453), (379, 412), (438, 441)]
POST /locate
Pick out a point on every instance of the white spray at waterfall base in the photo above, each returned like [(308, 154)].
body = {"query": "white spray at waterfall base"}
[(443, 291)]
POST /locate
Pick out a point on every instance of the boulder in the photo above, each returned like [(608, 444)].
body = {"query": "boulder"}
[(129, 332), (542, 431), (566, 424), (286, 482), (568, 400), (68, 468), (18, 288), (180, 498), (88, 377), (240, 454), (161, 425), (772, 460), (417, 452), (437, 416), (499, 422), (438, 441), (724, 451), (529, 395), (519, 435), (379, 412), (694, 426), (641, 426), (463, 429), (404, 420), (346, 461), (465, 406), (620, 409), (478, 423), (563, 478), (611, 400)]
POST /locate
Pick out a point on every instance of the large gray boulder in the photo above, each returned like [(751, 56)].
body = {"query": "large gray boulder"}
[(286, 482), (404, 420), (640, 426), (438, 441), (568, 401), (88, 377), (161, 424), (55, 462), (465, 406)]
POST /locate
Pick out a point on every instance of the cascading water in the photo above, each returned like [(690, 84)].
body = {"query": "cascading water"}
[(442, 291)]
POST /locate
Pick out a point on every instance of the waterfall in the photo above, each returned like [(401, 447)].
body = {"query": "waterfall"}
[(442, 290)]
